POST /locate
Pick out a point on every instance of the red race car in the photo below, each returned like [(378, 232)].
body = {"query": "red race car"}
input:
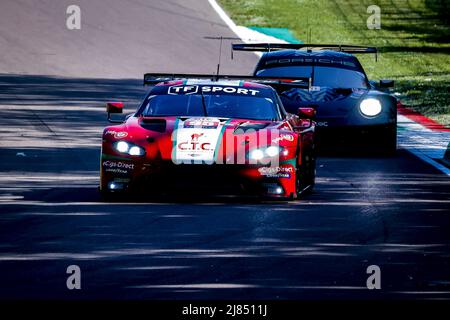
[(228, 133)]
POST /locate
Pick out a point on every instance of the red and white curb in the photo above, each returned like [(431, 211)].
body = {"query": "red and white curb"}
[(423, 137)]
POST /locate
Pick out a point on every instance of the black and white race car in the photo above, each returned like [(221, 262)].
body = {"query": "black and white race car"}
[(351, 110)]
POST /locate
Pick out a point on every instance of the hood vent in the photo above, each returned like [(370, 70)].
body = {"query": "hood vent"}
[(250, 125), (158, 125), (324, 94)]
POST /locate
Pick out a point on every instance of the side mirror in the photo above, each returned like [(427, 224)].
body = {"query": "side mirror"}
[(114, 107), (386, 83), (306, 112)]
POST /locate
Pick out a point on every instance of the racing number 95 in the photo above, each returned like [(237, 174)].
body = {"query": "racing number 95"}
[(246, 309)]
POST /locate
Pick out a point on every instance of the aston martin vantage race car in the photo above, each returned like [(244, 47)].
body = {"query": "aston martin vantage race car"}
[(198, 133), (351, 110)]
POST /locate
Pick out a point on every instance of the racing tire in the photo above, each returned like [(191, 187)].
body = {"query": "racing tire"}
[(388, 144), (108, 196), (305, 176)]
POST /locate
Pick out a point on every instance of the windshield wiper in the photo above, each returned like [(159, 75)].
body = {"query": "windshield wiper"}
[(204, 103)]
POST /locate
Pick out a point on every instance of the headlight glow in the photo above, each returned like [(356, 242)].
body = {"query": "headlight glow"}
[(267, 152), (129, 148), (122, 146), (272, 151), (257, 154), (136, 151), (370, 107)]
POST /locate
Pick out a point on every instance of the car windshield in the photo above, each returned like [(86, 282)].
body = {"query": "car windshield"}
[(221, 106), (323, 76)]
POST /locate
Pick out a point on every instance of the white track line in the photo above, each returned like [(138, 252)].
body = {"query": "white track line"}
[(223, 15), (245, 34), (430, 161)]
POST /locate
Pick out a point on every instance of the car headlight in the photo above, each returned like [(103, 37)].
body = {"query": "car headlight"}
[(122, 146), (370, 107), (136, 151), (272, 151), (256, 154), (259, 154), (128, 148)]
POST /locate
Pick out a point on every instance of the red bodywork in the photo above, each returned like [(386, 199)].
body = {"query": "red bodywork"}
[(294, 136)]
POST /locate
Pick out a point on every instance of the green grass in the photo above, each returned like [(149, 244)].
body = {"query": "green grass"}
[(413, 40)]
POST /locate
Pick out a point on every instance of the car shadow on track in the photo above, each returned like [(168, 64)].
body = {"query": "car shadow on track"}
[(40, 90), (91, 194), (357, 152)]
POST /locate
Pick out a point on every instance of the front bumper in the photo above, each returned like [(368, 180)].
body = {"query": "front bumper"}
[(165, 176)]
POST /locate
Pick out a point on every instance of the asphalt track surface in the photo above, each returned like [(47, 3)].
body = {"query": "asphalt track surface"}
[(391, 212)]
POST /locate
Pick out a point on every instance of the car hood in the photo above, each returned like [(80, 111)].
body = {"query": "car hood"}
[(330, 102)]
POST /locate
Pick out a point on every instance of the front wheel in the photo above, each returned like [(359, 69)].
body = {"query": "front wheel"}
[(305, 176), (112, 196), (388, 141)]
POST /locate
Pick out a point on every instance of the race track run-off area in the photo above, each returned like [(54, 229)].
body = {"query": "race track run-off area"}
[(365, 210)]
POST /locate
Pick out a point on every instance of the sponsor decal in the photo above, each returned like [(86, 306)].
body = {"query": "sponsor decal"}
[(276, 172), (195, 136), (284, 137), (117, 134), (196, 139), (322, 124), (117, 167), (193, 144), (235, 90), (310, 60), (120, 135), (118, 171), (201, 123), (182, 90), (211, 89)]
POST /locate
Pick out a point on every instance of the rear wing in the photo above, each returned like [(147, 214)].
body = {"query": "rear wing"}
[(155, 78), (268, 47), (283, 46)]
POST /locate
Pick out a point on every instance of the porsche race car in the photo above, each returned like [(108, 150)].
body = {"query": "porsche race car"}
[(352, 112), (198, 133)]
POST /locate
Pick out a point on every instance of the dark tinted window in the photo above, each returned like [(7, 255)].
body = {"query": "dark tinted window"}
[(221, 106), (323, 76)]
